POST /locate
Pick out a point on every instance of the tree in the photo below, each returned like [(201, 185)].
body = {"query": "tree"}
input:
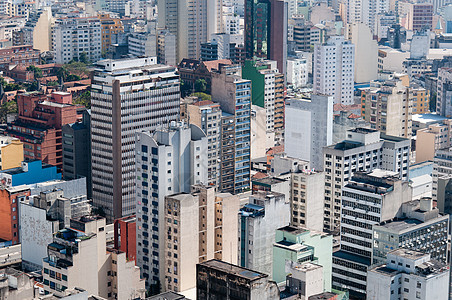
[(36, 71), (84, 99), (185, 89), (203, 96), (7, 108), (200, 85), (83, 58), (73, 77), (34, 86)]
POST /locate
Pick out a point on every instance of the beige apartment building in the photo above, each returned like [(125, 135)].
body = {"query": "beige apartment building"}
[(387, 106), (199, 227), (430, 139), (78, 258)]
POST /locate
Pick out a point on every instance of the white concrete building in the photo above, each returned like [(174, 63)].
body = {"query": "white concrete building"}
[(297, 72), (408, 275), (334, 69), (170, 160), (73, 36), (143, 44), (258, 132), (308, 128), (127, 95)]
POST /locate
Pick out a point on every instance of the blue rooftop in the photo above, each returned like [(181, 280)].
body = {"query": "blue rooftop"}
[(31, 172)]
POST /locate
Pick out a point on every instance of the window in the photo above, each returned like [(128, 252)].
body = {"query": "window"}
[(418, 295), (405, 290), (407, 280), (419, 285)]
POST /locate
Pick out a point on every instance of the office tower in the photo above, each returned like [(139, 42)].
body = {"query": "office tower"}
[(234, 96), (422, 228), (266, 30), (127, 96), (188, 20), (207, 116), (39, 125), (388, 108), (363, 150), (166, 48), (367, 199), (444, 92), (79, 257), (216, 279), (214, 16), (301, 32), (11, 152), (308, 128), (334, 63), (168, 161), (77, 150), (231, 20), (203, 227), (262, 74), (258, 221), (431, 139), (366, 52), (410, 274), (301, 245), (74, 37)]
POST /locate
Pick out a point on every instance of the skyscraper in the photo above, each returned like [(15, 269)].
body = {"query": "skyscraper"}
[(266, 30), (168, 161), (127, 95)]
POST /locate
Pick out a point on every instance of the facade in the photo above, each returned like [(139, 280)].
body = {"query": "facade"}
[(168, 161), (410, 275), (204, 227), (308, 128), (9, 198), (11, 152), (363, 150), (188, 20), (300, 245), (258, 221), (77, 150), (234, 96), (297, 72), (113, 128), (266, 31), (389, 108), (37, 31), (126, 236), (74, 37), (88, 264), (416, 16), (444, 92), (442, 170), (143, 44), (166, 48), (19, 55), (39, 125), (334, 69), (207, 116), (368, 199), (263, 91), (216, 279), (431, 139), (422, 229), (109, 26), (30, 172)]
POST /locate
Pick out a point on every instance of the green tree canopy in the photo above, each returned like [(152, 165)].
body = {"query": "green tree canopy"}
[(200, 85), (36, 71), (203, 96), (84, 99)]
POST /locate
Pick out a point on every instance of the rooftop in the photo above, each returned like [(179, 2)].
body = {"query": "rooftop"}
[(322, 296), (352, 257), (400, 225), (268, 180), (234, 269)]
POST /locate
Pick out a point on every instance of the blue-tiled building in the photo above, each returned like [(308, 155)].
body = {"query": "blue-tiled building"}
[(29, 173)]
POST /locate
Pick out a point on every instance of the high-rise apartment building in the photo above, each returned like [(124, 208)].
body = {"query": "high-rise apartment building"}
[(433, 138), (258, 221), (308, 128), (127, 96), (363, 150), (444, 92), (442, 169), (334, 68), (189, 21), (368, 199), (364, 11), (166, 47), (74, 37), (39, 125), (416, 16), (198, 227), (234, 96), (170, 160), (266, 30), (263, 75), (207, 116), (388, 107)]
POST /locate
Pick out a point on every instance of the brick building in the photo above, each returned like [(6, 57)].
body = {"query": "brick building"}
[(24, 55), (125, 236), (39, 122)]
